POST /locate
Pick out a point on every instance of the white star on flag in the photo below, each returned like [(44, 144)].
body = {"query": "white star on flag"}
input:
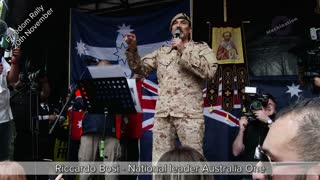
[(79, 124), (81, 48), (294, 90)]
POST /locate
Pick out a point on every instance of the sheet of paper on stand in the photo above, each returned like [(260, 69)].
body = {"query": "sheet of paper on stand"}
[(106, 71)]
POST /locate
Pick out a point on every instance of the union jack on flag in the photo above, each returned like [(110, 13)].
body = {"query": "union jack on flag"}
[(150, 95)]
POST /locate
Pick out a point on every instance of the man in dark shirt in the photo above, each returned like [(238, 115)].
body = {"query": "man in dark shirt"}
[(252, 134)]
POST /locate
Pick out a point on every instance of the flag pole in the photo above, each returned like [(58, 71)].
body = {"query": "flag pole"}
[(69, 73), (245, 58), (210, 41), (225, 10), (244, 41), (71, 93)]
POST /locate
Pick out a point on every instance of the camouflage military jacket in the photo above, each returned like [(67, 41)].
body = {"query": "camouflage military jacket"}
[(180, 77)]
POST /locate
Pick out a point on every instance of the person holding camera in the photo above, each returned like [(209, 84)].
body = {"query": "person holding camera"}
[(253, 130)]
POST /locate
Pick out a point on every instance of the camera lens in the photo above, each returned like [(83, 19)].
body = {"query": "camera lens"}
[(256, 105)]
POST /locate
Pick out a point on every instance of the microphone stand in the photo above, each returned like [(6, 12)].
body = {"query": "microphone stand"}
[(34, 123), (71, 119), (63, 108)]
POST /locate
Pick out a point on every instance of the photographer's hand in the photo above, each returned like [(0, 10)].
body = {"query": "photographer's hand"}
[(243, 123), (238, 146), (261, 115)]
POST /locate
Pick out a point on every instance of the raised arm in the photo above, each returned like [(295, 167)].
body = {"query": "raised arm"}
[(13, 75), (238, 146), (142, 67)]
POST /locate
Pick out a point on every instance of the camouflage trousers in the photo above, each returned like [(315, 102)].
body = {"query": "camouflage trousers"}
[(167, 129)]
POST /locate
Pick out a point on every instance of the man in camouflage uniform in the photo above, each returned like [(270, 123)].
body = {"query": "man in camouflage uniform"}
[(181, 68)]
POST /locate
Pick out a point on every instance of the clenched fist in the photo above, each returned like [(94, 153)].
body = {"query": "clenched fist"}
[(131, 40)]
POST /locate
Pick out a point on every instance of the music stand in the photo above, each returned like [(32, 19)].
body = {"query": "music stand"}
[(112, 94), (107, 95)]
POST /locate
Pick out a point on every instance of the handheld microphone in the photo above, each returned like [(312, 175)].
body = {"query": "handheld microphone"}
[(178, 32)]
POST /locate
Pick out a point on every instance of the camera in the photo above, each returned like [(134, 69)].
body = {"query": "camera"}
[(315, 33), (255, 101), (310, 65)]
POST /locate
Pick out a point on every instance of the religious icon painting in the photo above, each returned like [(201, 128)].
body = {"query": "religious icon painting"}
[(227, 45)]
